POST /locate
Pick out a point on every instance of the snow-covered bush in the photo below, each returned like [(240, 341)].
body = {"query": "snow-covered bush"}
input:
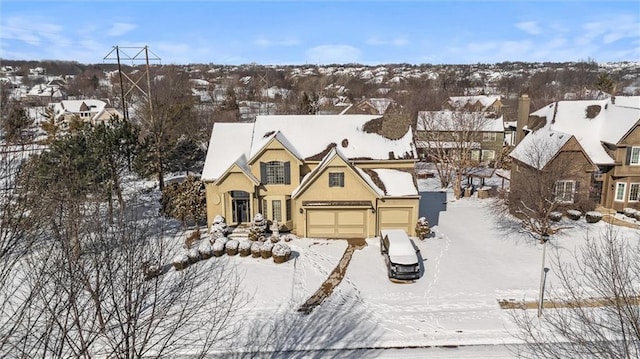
[(288, 237), (180, 261), (218, 248), (281, 252), (637, 215), (629, 212), (205, 249), (555, 216), (151, 269), (232, 247), (193, 255), (593, 216), (219, 226), (574, 214), (422, 228), (258, 228), (265, 249), (255, 248), (274, 238), (244, 247)]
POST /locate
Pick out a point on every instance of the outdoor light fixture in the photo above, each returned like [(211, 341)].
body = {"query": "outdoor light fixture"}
[(301, 210)]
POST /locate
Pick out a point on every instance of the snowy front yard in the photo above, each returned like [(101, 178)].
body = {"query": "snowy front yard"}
[(473, 261)]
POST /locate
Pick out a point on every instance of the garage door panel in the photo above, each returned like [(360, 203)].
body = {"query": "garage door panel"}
[(395, 218), (338, 223)]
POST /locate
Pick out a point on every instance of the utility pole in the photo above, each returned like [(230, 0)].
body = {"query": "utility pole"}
[(128, 82), (544, 239)]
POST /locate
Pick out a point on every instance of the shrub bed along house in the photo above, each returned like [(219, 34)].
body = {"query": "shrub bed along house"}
[(555, 216), (265, 249), (232, 247), (593, 216), (180, 261), (281, 252), (255, 249), (574, 214), (244, 247), (193, 255), (637, 215), (219, 246), (205, 249), (629, 212)]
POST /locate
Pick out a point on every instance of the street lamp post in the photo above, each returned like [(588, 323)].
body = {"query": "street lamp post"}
[(543, 238)]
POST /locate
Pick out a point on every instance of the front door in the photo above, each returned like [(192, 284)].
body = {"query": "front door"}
[(240, 206)]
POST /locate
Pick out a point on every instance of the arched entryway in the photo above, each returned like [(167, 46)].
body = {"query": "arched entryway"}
[(240, 206)]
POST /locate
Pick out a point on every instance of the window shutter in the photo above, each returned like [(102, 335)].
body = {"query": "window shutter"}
[(287, 172), (263, 172), (628, 159)]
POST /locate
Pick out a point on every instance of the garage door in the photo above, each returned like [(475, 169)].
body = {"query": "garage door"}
[(392, 218), (336, 223)]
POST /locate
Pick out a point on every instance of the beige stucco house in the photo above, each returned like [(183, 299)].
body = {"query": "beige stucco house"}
[(317, 175), (88, 110)]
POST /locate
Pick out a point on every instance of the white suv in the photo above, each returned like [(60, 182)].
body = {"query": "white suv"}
[(400, 254)]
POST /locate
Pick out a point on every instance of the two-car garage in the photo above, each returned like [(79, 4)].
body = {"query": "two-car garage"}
[(357, 221)]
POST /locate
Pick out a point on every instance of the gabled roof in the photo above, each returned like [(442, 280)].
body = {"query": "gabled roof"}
[(540, 147), (240, 163), (448, 121), (593, 122), (305, 136), (459, 102), (333, 153)]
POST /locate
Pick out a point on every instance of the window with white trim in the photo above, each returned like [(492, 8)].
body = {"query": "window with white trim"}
[(275, 172), (634, 191), (336, 179), (635, 156), (565, 191), (489, 137), (621, 189), (276, 208), (488, 155)]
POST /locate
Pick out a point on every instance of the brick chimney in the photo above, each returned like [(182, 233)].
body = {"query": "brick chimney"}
[(524, 104)]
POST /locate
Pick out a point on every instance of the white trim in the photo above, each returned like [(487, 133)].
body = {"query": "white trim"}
[(624, 192), (637, 192), (564, 193), (637, 160)]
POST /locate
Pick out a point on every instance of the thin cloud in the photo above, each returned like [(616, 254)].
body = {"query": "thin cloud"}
[(333, 54), (120, 28), (398, 41), (264, 42), (530, 27)]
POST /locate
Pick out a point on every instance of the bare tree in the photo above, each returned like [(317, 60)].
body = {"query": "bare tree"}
[(450, 137), (550, 173), (595, 311)]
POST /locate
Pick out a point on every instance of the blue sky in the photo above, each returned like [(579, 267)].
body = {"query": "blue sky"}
[(323, 32)]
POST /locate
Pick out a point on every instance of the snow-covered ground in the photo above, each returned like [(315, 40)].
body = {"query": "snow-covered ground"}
[(475, 259)]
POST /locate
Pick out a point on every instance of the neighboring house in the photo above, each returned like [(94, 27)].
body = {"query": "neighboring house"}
[(480, 103), (44, 93), (318, 175), (372, 106), (90, 110), (443, 129), (606, 133)]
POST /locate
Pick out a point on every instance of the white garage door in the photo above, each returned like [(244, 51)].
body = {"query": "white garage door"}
[(395, 218), (336, 223)]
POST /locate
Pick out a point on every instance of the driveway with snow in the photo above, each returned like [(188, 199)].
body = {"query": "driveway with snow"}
[(475, 258)]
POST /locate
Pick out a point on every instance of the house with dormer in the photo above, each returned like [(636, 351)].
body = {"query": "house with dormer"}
[(322, 176), (601, 136), (88, 110), (479, 103)]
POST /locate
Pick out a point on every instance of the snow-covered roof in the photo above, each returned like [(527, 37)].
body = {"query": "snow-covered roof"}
[(593, 122), (76, 106), (397, 183), (226, 145), (458, 102), (305, 136), (451, 120), (539, 147)]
